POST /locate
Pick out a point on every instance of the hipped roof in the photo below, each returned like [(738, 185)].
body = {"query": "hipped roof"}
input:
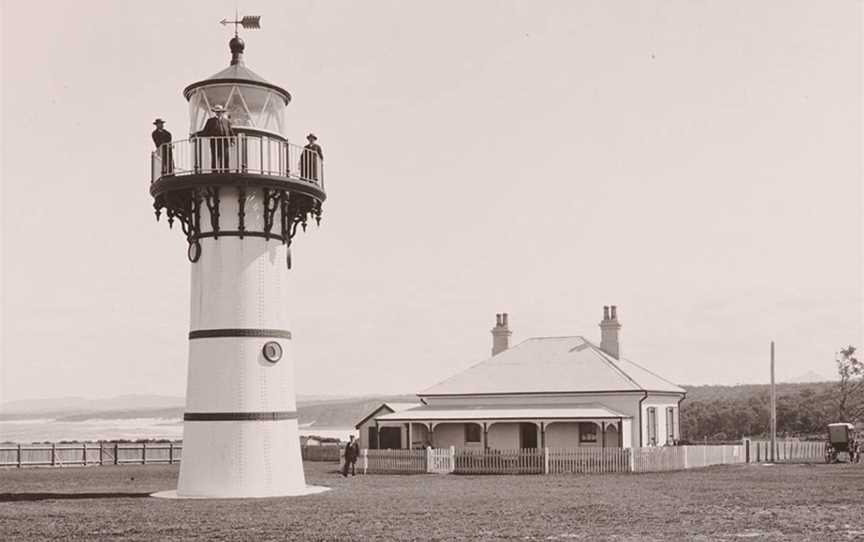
[(552, 365)]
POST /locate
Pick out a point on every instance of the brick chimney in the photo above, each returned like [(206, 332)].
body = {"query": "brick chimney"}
[(500, 334), (609, 332)]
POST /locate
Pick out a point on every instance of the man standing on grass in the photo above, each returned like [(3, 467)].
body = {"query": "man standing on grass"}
[(352, 451)]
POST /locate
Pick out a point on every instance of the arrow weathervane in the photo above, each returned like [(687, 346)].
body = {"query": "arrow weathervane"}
[(249, 22)]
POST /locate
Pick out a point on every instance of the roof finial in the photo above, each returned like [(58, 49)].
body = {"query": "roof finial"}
[(236, 44)]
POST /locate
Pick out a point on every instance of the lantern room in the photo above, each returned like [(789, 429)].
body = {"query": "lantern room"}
[(253, 105)]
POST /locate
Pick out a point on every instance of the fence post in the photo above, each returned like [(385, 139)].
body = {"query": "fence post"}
[(116, 454), (143, 453), (686, 457), (429, 460), (630, 459), (452, 459), (19, 456), (53, 454), (365, 454), (170, 453), (545, 460), (100, 453), (84, 453), (747, 450)]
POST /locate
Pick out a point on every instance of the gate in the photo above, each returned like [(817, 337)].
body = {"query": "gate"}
[(440, 461)]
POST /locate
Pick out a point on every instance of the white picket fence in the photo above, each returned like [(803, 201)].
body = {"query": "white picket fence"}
[(517, 461), (393, 461), (787, 451), (587, 460), (686, 457)]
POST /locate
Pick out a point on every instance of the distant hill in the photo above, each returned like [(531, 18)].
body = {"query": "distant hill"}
[(77, 405), (346, 412), (320, 411), (809, 376), (744, 391)]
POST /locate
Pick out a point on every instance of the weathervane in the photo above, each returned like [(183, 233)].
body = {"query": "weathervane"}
[(249, 22)]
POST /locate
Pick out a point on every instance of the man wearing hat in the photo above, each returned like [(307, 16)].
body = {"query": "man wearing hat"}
[(310, 158), (162, 140), (219, 129)]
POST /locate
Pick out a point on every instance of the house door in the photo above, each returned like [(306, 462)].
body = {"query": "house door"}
[(391, 438), (527, 435)]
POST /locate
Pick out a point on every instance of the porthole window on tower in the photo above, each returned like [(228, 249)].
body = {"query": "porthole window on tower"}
[(272, 351)]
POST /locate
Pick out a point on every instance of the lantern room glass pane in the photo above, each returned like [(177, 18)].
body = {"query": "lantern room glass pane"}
[(246, 106)]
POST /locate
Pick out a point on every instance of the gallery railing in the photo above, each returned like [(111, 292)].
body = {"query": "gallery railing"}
[(244, 153)]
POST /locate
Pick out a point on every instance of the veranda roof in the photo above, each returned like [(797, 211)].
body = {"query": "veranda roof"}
[(391, 406), (497, 412), (552, 365)]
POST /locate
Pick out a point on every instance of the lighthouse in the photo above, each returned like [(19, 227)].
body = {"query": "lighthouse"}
[(239, 199)]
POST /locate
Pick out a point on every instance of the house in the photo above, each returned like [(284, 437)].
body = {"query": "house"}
[(389, 436), (555, 392)]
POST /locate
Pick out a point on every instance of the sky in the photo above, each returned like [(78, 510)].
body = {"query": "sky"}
[(696, 163)]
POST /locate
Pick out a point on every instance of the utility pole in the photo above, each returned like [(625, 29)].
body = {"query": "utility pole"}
[(773, 409)]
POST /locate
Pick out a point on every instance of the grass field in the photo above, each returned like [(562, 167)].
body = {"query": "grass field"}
[(782, 502)]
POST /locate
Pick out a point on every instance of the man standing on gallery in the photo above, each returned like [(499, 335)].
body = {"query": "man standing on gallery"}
[(312, 159), (218, 129), (162, 140)]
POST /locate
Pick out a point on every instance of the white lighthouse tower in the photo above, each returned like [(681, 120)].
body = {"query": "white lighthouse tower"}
[(239, 199)]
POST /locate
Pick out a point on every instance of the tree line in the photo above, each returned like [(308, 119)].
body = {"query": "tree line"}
[(803, 410)]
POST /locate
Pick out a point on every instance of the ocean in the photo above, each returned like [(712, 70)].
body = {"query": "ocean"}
[(25, 431)]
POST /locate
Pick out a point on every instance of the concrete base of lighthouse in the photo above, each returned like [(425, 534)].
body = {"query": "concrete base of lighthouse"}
[(308, 490), (241, 459)]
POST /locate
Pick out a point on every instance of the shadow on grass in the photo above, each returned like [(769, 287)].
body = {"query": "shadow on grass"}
[(13, 497)]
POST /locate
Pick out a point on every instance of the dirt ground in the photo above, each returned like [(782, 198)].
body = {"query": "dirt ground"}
[(781, 502)]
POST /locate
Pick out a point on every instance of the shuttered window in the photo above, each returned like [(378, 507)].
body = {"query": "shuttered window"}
[(652, 426), (670, 425)]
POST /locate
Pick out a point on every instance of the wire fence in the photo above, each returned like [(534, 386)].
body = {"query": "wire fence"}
[(120, 453), (86, 454)]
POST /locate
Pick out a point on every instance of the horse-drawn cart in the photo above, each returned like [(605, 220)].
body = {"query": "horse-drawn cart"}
[(841, 445)]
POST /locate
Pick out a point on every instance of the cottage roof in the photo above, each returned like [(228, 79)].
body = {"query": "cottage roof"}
[(552, 365)]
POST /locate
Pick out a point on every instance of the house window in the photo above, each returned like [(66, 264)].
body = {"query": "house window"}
[(588, 432), (472, 432), (670, 425), (652, 426)]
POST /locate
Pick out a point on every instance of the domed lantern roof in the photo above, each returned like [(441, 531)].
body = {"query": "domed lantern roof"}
[(252, 103)]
